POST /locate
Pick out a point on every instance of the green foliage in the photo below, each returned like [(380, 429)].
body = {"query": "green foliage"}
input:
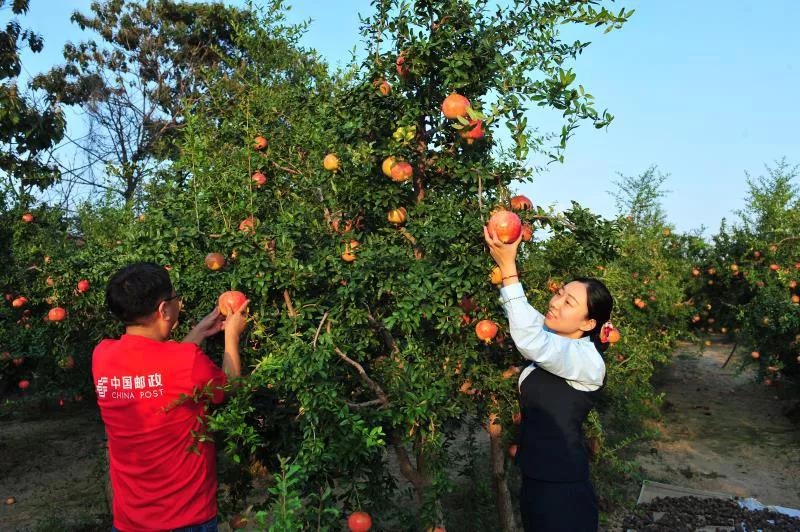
[(356, 370), (749, 276), (27, 132)]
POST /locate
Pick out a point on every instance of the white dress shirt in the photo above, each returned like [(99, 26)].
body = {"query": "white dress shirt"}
[(575, 360)]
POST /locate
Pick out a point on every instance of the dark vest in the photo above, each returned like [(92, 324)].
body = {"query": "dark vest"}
[(551, 441)]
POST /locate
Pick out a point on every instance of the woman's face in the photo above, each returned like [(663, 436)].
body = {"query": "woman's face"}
[(568, 311)]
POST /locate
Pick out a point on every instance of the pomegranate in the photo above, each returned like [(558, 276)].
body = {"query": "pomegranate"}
[(230, 301), (455, 105), (386, 166), (506, 225), (473, 132), (83, 286), (56, 314), (486, 330), (259, 178), (359, 522), (260, 143), (521, 203), (349, 253), (397, 216), (401, 171), (215, 261)]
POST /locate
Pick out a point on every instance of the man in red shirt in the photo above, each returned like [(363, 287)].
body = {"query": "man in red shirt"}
[(162, 477)]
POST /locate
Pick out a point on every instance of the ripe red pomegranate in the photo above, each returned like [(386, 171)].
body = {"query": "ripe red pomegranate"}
[(232, 299), (19, 302), (56, 314), (527, 233), (83, 286), (23, 385), (359, 522), (521, 203), (506, 225), (260, 143), (486, 330), (454, 106), (27, 217), (259, 178), (472, 132), (401, 171), (402, 68)]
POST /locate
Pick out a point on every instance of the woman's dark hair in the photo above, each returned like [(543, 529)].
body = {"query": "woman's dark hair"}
[(600, 303), (135, 291)]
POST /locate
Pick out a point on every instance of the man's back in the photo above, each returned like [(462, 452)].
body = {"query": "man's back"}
[(159, 482)]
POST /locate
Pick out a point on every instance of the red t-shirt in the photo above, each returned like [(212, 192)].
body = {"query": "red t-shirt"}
[(158, 482)]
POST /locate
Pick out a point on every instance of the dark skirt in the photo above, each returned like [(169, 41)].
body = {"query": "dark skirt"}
[(558, 506)]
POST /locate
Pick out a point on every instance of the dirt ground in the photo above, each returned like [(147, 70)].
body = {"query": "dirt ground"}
[(720, 431), (50, 462)]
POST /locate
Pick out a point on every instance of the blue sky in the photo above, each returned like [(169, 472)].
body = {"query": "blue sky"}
[(704, 90)]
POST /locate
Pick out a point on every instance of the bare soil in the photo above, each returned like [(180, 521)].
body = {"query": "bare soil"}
[(51, 464), (722, 431)]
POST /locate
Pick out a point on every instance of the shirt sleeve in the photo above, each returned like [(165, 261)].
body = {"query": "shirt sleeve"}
[(573, 360), (206, 373)]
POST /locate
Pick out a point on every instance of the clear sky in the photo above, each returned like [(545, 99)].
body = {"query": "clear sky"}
[(705, 90)]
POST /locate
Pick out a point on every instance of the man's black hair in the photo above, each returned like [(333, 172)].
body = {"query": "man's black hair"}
[(135, 291)]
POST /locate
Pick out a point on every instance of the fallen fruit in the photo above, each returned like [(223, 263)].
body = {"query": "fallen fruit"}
[(230, 301)]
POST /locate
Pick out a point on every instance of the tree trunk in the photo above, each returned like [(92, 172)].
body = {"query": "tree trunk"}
[(505, 510)]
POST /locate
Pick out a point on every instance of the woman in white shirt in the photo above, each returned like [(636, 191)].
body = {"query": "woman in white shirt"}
[(557, 391)]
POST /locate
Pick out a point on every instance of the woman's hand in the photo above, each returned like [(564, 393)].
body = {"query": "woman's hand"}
[(505, 255)]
